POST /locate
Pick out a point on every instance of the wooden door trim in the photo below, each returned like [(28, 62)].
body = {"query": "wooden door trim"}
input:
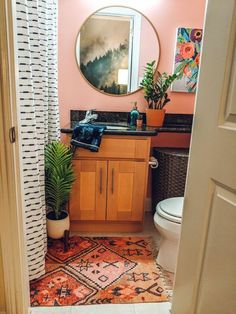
[(12, 220)]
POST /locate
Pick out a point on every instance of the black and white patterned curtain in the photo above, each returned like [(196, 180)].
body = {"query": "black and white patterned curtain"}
[(39, 115)]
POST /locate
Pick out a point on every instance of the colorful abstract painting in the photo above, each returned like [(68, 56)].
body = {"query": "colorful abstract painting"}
[(187, 57)]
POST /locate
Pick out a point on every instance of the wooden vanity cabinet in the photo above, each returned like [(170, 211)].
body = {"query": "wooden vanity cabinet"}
[(110, 189), (126, 190), (88, 198)]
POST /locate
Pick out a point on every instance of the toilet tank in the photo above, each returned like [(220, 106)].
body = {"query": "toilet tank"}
[(168, 180)]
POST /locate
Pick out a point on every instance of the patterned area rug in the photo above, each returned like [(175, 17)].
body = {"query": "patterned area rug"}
[(99, 271)]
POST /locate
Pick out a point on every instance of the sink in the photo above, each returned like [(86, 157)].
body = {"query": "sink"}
[(113, 126), (117, 127)]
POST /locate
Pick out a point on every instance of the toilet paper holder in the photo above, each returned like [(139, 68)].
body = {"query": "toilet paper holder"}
[(153, 162)]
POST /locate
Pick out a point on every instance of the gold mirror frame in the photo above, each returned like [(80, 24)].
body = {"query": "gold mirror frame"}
[(157, 61)]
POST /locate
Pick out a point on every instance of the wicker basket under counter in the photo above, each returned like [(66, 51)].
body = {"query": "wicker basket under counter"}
[(168, 180)]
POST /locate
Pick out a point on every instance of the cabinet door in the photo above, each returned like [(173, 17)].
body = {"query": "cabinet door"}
[(126, 190), (88, 196)]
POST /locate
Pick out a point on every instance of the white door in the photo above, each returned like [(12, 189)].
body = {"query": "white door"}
[(206, 272)]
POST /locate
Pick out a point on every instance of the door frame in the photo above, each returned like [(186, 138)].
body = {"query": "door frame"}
[(12, 231), (201, 194), (12, 220)]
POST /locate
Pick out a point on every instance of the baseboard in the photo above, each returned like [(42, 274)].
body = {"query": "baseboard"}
[(148, 204), (105, 226)]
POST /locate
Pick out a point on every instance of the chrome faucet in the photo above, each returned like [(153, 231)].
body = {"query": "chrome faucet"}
[(89, 116)]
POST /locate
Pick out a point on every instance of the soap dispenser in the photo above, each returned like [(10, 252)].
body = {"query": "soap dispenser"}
[(134, 114)]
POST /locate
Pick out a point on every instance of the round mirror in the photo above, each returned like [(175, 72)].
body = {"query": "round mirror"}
[(112, 48)]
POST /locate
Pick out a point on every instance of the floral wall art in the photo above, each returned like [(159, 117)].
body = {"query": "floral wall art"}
[(187, 57)]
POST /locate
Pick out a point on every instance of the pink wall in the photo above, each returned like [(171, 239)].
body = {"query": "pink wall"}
[(166, 16), (149, 45)]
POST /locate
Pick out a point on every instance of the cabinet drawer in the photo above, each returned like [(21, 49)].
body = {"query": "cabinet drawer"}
[(116, 147)]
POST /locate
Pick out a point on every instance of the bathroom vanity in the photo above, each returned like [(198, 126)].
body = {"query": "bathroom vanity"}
[(109, 193), (110, 188)]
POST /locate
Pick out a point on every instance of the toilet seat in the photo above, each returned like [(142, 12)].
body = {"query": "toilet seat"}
[(171, 209)]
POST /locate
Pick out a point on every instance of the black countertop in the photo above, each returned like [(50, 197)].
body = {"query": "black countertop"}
[(140, 131), (173, 123), (135, 131)]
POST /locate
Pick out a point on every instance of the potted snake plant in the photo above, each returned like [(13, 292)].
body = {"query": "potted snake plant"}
[(155, 86), (59, 178)]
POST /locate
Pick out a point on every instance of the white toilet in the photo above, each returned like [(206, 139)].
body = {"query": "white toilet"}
[(167, 219)]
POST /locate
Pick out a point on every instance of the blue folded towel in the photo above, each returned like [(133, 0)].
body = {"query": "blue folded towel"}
[(87, 136)]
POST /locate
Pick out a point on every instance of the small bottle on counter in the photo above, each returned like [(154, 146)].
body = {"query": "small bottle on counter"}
[(134, 114), (139, 121)]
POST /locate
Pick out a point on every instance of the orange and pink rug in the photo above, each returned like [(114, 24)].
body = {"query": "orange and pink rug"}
[(99, 271)]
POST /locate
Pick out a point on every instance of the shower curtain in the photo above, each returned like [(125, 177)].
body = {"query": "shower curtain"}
[(36, 48)]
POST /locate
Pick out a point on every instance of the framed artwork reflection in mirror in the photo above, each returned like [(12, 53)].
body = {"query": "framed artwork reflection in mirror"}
[(111, 49), (104, 52)]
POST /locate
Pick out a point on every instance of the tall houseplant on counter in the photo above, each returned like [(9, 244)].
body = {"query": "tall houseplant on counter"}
[(155, 86), (59, 178)]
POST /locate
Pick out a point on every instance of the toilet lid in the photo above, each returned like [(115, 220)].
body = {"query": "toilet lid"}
[(171, 209)]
